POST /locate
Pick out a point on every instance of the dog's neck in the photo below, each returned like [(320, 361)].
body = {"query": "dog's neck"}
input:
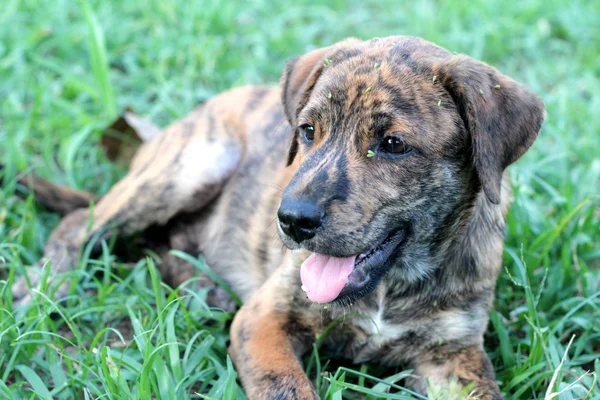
[(474, 255)]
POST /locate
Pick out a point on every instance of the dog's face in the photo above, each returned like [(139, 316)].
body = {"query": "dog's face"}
[(394, 139)]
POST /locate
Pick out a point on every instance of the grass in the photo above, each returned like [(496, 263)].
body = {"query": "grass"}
[(68, 68)]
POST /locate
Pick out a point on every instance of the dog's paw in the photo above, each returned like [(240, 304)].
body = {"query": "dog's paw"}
[(449, 391), (273, 386), (21, 295), (24, 288), (219, 298), (452, 390), (24, 285)]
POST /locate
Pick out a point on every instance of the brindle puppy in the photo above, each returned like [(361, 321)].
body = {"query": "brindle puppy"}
[(393, 209)]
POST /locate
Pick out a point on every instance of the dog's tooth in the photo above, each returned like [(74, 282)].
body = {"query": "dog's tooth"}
[(303, 288)]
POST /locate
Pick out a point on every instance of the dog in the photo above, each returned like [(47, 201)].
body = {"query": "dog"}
[(380, 166)]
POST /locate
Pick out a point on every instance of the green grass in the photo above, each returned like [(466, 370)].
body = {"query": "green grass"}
[(67, 68)]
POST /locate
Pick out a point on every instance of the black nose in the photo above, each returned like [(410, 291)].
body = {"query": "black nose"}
[(299, 220)]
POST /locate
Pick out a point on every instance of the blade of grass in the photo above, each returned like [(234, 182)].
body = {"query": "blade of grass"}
[(202, 266), (99, 60), (35, 381)]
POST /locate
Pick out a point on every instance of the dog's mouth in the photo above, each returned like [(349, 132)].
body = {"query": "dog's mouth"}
[(326, 278)]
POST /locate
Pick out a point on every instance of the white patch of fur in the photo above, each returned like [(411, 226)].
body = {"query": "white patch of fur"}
[(375, 326), (205, 164)]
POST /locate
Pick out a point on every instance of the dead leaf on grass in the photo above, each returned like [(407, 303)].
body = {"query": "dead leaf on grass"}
[(122, 138)]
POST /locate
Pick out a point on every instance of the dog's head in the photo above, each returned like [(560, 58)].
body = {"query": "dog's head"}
[(393, 138)]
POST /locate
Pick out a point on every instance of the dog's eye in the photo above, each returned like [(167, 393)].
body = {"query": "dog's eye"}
[(394, 145), (308, 131)]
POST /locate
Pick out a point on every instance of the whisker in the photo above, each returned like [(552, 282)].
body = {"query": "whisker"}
[(273, 220), (275, 240), (271, 185)]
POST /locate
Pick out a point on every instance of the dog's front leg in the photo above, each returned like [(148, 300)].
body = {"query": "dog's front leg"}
[(445, 365), (267, 340)]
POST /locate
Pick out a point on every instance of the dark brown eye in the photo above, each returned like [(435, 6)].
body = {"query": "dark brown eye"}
[(308, 131), (394, 145)]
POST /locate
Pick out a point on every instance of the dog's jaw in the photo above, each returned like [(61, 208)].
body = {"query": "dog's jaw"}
[(327, 278)]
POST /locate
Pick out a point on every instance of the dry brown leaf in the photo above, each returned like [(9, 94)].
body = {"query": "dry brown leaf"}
[(122, 138)]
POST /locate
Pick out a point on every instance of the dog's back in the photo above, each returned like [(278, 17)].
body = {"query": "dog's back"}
[(237, 232)]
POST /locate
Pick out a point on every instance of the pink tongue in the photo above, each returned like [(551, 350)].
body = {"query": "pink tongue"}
[(324, 277)]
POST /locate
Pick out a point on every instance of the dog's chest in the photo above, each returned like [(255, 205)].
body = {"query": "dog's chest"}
[(377, 339), (377, 329), (390, 333), (366, 334)]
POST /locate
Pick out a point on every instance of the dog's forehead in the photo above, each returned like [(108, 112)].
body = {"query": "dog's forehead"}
[(383, 87), (416, 54)]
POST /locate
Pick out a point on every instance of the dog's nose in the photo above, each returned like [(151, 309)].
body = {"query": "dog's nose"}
[(299, 220)]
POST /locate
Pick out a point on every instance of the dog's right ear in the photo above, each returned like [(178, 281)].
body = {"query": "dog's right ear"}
[(299, 78)]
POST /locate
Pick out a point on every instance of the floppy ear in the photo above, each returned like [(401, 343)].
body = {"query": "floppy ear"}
[(299, 77), (298, 80), (502, 117)]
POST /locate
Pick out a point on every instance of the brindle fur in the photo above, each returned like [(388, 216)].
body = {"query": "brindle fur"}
[(216, 179)]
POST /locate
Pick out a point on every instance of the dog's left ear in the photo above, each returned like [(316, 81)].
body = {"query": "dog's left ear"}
[(298, 80), (502, 116)]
